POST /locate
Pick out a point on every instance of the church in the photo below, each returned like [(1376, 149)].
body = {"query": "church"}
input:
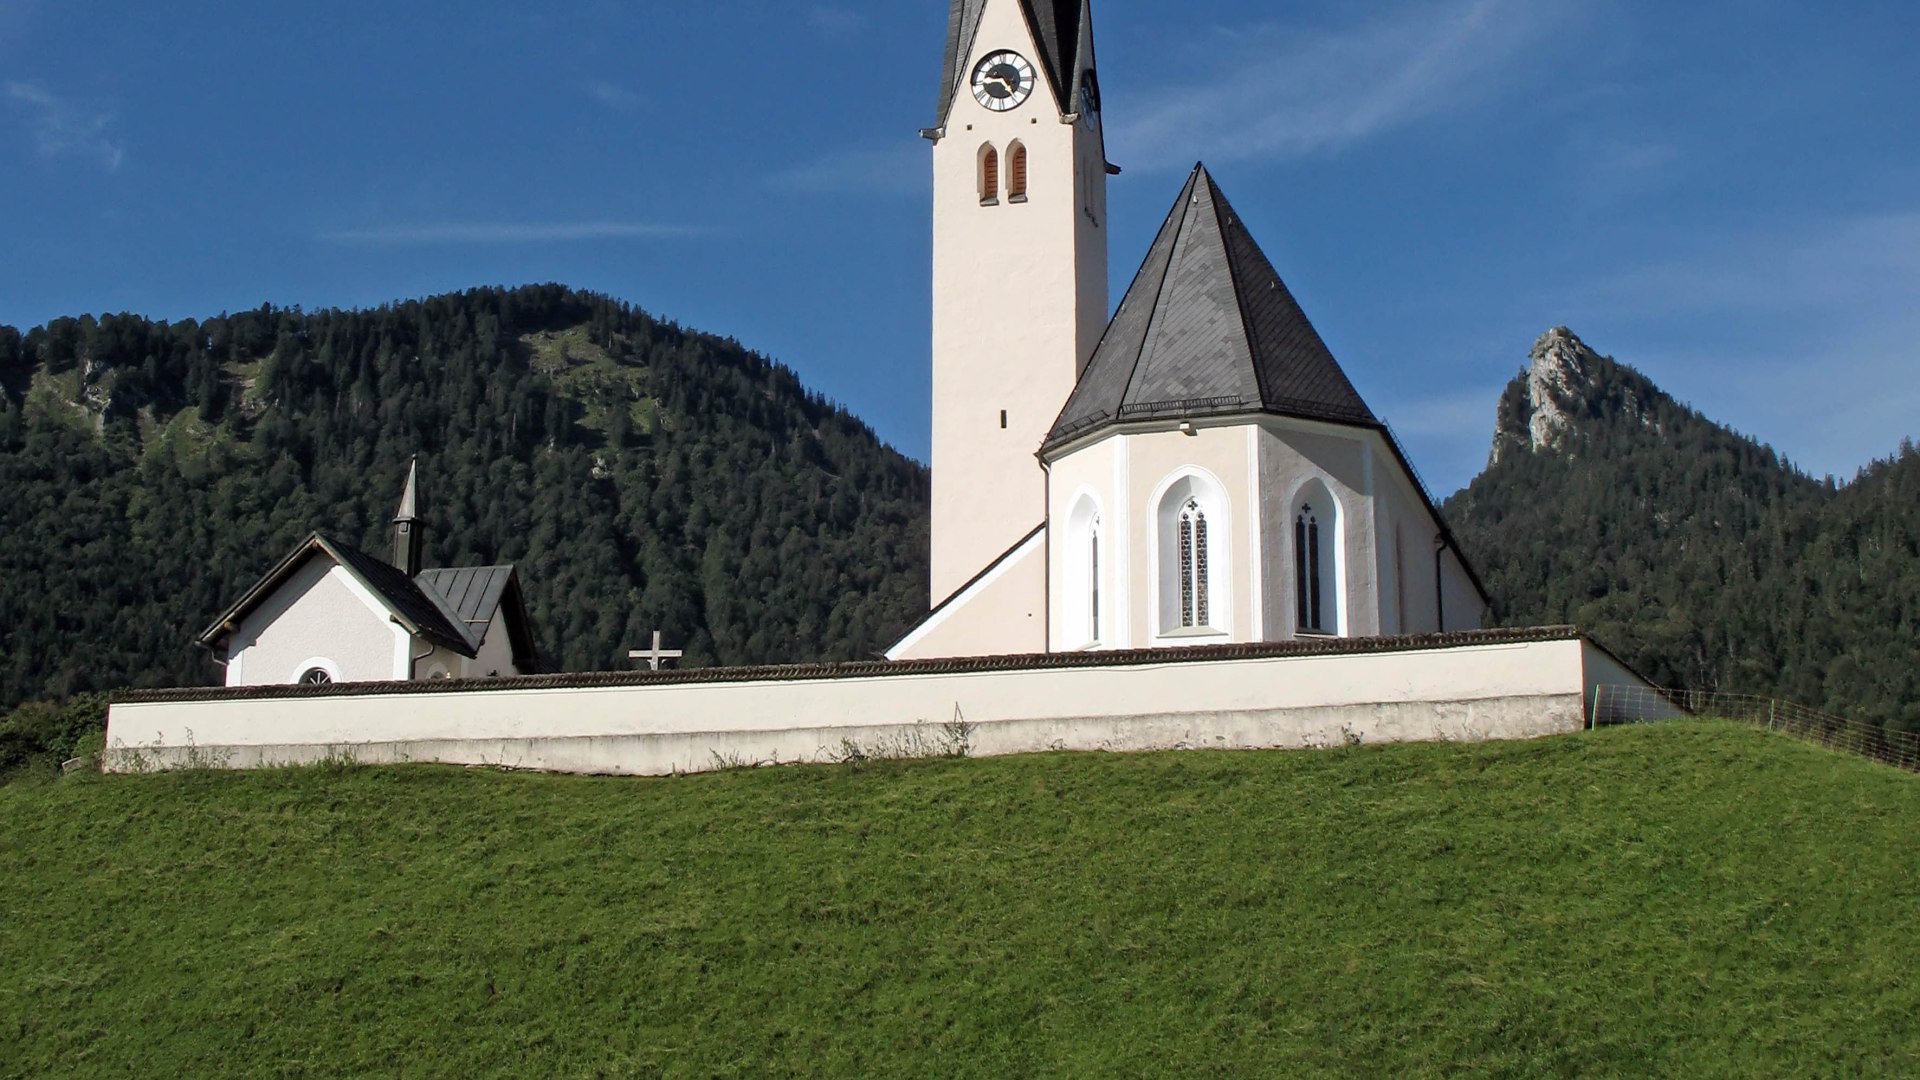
[(1191, 469), (1196, 470), (1171, 525)]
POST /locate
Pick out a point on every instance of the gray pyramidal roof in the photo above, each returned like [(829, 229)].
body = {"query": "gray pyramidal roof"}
[(1208, 328), (1056, 25)]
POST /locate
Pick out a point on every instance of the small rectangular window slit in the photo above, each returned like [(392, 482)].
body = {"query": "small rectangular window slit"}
[(1003, 419)]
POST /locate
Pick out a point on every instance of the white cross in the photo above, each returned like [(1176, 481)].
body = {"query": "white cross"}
[(655, 655)]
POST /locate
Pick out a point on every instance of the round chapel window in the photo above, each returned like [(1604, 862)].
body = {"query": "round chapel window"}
[(316, 677)]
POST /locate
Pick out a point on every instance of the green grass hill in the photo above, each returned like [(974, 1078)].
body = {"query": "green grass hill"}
[(1691, 900)]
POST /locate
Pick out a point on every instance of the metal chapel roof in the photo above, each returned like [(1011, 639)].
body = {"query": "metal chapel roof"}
[(1056, 26), (1208, 328)]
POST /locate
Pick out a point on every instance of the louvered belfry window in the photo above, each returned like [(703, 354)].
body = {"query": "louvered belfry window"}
[(989, 175), (1193, 567), (1017, 172)]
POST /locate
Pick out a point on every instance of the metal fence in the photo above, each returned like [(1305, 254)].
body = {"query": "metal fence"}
[(1639, 704)]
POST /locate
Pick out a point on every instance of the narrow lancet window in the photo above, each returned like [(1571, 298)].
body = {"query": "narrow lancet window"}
[(1306, 546), (1093, 582), (1017, 173), (989, 176), (1193, 567)]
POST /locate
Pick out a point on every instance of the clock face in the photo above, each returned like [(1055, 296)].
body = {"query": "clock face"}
[(1089, 101), (1003, 81)]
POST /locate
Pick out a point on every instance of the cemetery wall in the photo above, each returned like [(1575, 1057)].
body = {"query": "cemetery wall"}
[(1494, 685)]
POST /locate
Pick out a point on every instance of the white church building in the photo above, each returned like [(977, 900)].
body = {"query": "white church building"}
[(1171, 525), (1196, 470)]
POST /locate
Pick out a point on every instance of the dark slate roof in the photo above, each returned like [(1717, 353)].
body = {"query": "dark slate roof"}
[(1208, 328), (416, 610), (1057, 26), (405, 601)]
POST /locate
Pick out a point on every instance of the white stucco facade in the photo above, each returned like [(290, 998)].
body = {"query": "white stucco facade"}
[(1253, 478), (1001, 612), (320, 618), (1019, 301), (494, 658)]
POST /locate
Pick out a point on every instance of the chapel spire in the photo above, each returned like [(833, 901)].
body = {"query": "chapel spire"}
[(408, 540)]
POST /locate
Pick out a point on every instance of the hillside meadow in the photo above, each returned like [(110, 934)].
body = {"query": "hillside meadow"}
[(1687, 900)]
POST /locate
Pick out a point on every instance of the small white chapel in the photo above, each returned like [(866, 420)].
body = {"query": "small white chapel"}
[(1196, 470), (331, 613)]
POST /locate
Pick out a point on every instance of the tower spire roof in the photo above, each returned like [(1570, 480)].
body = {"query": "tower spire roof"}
[(1208, 328), (1057, 26), (410, 497)]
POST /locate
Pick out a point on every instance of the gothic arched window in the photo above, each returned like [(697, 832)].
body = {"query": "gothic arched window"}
[(989, 175), (1083, 570), (1192, 597), (1017, 172), (1194, 606), (1093, 580), (1309, 587), (1319, 594)]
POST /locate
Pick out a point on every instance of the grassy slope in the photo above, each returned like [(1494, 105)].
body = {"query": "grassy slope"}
[(1691, 900)]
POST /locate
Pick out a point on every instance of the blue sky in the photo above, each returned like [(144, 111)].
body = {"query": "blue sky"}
[(1724, 194)]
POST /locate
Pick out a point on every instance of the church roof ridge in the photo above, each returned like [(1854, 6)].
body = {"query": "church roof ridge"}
[(1208, 328)]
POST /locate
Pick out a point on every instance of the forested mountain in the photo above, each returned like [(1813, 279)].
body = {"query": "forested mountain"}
[(648, 476), (643, 476), (1700, 555)]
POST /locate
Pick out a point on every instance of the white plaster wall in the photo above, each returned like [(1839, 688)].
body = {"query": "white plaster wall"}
[(1003, 614), (1465, 609), (1019, 300), (321, 612), (1098, 469), (1406, 523), (1291, 454), (496, 653), (440, 658), (1516, 690), (1614, 694), (1152, 459)]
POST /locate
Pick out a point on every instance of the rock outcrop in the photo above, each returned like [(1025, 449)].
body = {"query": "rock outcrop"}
[(1566, 386)]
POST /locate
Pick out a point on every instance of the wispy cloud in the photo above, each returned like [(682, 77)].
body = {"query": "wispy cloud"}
[(473, 233), (835, 21), (1277, 91), (613, 95), (1838, 267), (1807, 336), (63, 128), (890, 170)]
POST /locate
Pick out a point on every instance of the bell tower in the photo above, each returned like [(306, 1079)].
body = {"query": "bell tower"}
[(1019, 265)]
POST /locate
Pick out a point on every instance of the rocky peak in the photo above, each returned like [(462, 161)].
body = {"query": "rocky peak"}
[(1565, 383)]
